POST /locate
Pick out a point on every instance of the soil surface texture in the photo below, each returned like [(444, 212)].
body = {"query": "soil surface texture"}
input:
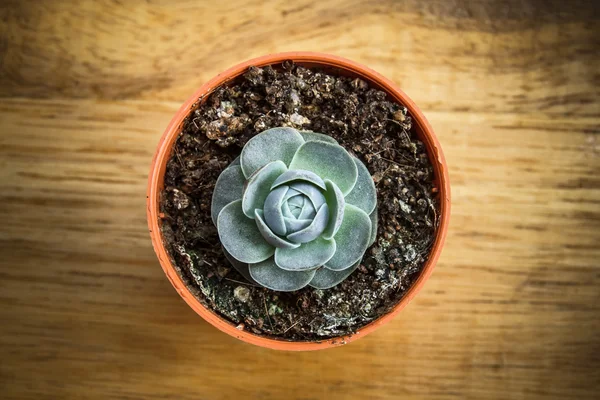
[(368, 125)]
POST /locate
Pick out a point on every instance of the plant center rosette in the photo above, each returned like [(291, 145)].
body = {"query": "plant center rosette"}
[(295, 209)]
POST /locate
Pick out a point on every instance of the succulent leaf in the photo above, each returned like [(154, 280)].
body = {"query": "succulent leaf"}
[(273, 212), (240, 235), (314, 230), (229, 187), (308, 210), (299, 175), (336, 203), (296, 201), (240, 267), (326, 278), (373, 218), (310, 136), (352, 238), (329, 161), (287, 212), (306, 257), (295, 211), (269, 275), (271, 145), (363, 195), (291, 193), (313, 193), (258, 186), (293, 224), (268, 234)]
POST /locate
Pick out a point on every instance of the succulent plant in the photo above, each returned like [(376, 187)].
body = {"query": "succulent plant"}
[(295, 209)]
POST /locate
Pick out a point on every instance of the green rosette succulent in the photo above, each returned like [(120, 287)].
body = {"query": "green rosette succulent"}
[(295, 209)]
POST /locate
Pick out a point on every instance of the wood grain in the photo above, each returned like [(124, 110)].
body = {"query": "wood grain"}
[(512, 89)]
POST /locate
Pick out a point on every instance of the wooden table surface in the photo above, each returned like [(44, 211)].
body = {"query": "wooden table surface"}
[(512, 89)]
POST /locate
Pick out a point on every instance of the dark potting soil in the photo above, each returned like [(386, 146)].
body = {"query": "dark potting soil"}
[(367, 124)]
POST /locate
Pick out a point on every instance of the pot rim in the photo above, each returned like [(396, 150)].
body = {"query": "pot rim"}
[(163, 152)]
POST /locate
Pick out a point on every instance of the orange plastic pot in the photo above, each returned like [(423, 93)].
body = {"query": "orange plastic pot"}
[(336, 65)]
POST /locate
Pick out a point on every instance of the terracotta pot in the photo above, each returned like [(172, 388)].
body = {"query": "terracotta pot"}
[(337, 65)]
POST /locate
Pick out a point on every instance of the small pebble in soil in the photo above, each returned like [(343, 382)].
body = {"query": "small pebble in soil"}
[(241, 293)]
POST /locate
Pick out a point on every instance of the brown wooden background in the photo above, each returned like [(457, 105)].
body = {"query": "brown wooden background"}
[(513, 91)]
